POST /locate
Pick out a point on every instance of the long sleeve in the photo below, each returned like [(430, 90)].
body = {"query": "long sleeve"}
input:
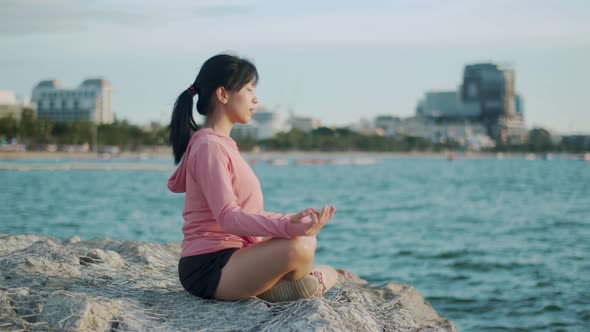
[(214, 175), (276, 215)]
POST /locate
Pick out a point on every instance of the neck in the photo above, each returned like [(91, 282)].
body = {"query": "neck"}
[(219, 122)]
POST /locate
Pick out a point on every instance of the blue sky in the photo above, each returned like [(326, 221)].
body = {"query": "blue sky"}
[(338, 60)]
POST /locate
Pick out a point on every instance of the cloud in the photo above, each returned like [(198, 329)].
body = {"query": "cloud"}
[(24, 17), (152, 24), (452, 24)]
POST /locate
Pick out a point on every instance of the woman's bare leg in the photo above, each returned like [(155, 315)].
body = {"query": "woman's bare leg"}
[(256, 268)]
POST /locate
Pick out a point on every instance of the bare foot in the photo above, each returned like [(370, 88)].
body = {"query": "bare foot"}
[(328, 274)]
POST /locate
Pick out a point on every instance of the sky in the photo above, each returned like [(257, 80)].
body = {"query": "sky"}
[(341, 61)]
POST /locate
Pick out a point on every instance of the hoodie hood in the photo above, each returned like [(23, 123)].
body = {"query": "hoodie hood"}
[(177, 182)]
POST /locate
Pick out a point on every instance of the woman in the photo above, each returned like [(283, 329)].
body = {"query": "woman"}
[(223, 253)]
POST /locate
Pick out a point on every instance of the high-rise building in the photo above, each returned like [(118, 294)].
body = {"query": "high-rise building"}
[(91, 101), (486, 96), (484, 84), (493, 88)]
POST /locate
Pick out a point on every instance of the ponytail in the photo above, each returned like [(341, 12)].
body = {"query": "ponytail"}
[(225, 70), (182, 125)]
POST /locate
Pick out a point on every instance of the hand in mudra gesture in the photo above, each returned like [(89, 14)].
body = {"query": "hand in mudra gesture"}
[(318, 219)]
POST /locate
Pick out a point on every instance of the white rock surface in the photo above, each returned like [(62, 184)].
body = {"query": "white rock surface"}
[(47, 283)]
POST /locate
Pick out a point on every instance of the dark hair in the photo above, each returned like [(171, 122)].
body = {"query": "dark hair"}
[(225, 70)]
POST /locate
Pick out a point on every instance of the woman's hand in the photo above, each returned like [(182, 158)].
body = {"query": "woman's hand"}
[(318, 219)]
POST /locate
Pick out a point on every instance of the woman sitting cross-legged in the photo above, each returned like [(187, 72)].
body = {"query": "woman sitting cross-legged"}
[(224, 255)]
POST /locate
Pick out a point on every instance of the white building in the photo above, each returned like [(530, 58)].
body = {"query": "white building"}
[(512, 130), (471, 134), (415, 126), (367, 127), (245, 130), (264, 124), (386, 124), (304, 123), (91, 101), (269, 123), (447, 104), (11, 106), (7, 97)]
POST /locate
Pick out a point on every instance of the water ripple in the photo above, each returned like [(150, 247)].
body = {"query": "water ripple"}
[(495, 245)]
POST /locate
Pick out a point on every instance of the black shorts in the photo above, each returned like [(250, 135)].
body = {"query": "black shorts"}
[(200, 274)]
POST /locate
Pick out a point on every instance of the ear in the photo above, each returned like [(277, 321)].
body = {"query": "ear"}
[(222, 95)]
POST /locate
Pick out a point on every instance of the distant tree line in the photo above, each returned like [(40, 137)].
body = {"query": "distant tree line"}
[(36, 133), (344, 139), (341, 139), (39, 132), (540, 141)]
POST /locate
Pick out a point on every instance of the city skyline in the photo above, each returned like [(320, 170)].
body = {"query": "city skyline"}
[(339, 62)]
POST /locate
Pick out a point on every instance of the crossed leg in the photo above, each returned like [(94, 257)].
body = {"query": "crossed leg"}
[(256, 268)]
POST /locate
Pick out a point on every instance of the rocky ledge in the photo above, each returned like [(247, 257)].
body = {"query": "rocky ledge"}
[(47, 283)]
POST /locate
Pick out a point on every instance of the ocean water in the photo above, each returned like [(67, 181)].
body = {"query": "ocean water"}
[(494, 245)]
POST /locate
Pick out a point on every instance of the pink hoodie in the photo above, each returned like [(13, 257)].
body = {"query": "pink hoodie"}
[(223, 206)]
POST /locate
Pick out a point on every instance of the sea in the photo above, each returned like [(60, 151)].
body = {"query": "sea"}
[(492, 244)]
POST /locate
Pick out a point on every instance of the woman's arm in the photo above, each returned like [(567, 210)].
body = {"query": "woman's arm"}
[(212, 169), (276, 215)]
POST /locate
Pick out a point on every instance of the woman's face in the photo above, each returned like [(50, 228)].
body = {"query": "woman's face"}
[(242, 104)]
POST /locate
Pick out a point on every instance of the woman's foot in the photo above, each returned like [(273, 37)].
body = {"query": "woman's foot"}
[(291, 290), (322, 288), (327, 277)]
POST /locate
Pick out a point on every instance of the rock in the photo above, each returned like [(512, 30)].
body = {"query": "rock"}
[(106, 285), (73, 239), (105, 257), (9, 243)]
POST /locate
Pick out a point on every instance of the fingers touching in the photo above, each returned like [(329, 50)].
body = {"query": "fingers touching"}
[(319, 219)]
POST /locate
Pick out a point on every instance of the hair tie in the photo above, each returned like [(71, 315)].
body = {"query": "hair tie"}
[(192, 90)]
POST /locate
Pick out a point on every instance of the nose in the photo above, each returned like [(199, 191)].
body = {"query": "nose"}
[(255, 100)]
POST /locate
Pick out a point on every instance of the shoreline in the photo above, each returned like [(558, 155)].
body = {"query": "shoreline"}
[(82, 156)]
